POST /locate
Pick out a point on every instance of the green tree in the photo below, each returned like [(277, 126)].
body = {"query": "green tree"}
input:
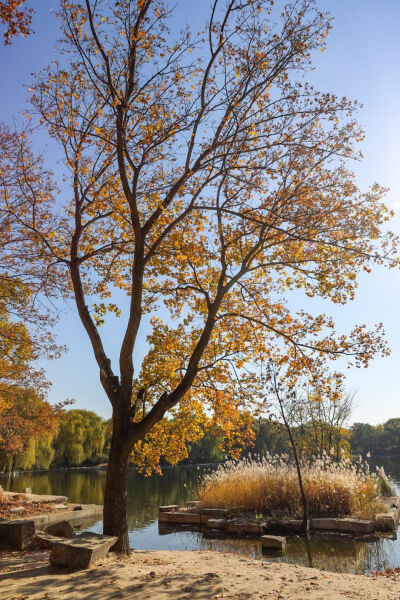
[(81, 435)]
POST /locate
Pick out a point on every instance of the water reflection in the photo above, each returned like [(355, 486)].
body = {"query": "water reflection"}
[(180, 484)]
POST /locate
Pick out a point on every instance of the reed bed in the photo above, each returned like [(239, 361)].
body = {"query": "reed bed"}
[(270, 485)]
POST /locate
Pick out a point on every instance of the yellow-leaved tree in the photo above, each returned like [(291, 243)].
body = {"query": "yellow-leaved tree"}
[(207, 177), (25, 322)]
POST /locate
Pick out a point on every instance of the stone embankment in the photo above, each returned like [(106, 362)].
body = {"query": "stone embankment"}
[(223, 520)]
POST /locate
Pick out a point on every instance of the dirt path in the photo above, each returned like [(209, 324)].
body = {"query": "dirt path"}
[(180, 575)]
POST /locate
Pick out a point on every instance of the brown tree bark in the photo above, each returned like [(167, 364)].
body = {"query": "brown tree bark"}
[(116, 490)]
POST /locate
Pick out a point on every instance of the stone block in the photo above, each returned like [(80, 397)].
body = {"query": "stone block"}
[(45, 499), (273, 541), (179, 517), (290, 525), (216, 523), (328, 523), (62, 529), (204, 519), (214, 512), (163, 517), (18, 534), (170, 508), (245, 527), (46, 540), (356, 526), (81, 552), (386, 522), (27, 490)]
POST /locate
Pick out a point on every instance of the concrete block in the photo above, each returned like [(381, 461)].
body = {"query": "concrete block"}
[(327, 523), (18, 534), (82, 551), (216, 523), (356, 526), (273, 541), (170, 508)]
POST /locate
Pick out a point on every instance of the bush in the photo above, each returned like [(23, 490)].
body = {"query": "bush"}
[(270, 485)]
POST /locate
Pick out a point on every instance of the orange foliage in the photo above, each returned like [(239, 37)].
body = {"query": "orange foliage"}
[(16, 18)]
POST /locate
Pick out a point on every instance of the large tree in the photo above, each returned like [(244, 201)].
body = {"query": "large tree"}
[(207, 176)]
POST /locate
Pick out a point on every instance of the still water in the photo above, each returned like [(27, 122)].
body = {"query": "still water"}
[(179, 485)]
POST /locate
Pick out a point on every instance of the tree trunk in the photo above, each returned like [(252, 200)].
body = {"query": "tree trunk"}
[(115, 493), (306, 522)]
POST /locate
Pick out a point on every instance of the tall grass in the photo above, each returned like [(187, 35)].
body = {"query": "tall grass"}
[(270, 485)]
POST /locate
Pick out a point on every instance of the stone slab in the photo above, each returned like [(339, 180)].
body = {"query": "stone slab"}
[(46, 540), (273, 541), (356, 526), (214, 512), (204, 519), (45, 499), (326, 523), (179, 517), (74, 517), (245, 527), (169, 508), (82, 551), (386, 521), (216, 523), (18, 533), (289, 525)]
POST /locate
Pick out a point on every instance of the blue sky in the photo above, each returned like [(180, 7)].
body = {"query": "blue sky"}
[(362, 61)]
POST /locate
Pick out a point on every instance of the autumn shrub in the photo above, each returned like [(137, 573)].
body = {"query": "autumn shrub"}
[(270, 485)]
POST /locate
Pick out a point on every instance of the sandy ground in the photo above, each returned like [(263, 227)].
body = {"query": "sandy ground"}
[(180, 575)]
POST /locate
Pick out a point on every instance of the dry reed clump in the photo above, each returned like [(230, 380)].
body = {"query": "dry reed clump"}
[(270, 485)]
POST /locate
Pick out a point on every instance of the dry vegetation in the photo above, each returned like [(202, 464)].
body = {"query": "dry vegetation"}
[(8, 503), (271, 486)]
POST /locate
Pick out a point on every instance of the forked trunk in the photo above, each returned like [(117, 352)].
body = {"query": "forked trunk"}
[(115, 493)]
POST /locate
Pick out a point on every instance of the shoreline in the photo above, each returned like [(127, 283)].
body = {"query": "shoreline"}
[(99, 468), (185, 575), (102, 467)]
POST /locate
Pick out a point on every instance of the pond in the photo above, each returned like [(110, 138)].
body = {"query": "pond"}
[(178, 485)]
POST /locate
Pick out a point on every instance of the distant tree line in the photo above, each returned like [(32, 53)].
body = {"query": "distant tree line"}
[(379, 439), (82, 439)]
